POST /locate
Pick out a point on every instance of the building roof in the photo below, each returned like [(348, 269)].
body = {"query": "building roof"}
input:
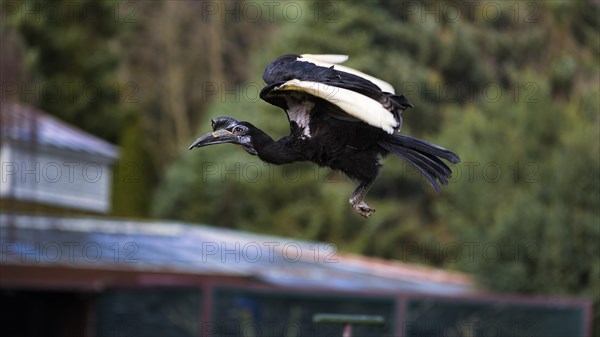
[(26, 124), (174, 247)]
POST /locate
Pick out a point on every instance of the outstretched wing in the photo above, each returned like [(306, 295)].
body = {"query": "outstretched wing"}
[(361, 96)]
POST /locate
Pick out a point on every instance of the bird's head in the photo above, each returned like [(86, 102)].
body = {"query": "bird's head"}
[(228, 130)]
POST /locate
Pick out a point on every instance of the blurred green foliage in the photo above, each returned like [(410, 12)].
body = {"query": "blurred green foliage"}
[(538, 204), (132, 174), (71, 65)]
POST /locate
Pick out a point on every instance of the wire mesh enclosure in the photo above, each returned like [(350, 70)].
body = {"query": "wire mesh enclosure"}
[(241, 311)]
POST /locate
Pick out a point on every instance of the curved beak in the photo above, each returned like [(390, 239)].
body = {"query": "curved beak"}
[(217, 137)]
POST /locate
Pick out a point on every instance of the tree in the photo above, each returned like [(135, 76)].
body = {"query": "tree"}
[(72, 65), (181, 55), (530, 211)]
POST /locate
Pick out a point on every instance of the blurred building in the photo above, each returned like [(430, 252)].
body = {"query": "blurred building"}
[(90, 275), (47, 162)]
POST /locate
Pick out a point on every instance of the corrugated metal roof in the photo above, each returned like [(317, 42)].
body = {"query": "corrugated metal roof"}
[(25, 124), (195, 249)]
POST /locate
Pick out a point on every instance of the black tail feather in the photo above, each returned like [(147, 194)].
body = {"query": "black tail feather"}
[(424, 156), (429, 172)]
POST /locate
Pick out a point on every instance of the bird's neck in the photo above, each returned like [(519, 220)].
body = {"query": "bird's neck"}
[(274, 152)]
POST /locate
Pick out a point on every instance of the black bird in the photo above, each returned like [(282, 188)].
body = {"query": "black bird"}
[(339, 118)]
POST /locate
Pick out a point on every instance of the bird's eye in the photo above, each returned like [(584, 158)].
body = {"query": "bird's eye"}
[(238, 129)]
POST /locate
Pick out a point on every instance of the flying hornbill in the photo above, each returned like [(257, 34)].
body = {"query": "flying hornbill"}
[(340, 118)]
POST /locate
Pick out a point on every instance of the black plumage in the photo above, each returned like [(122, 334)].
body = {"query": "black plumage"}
[(339, 118)]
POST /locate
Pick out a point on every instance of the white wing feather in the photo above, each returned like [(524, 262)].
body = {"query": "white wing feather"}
[(325, 58), (329, 60), (354, 104)]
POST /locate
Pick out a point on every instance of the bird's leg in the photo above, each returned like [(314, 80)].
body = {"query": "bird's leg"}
[(357, 199)]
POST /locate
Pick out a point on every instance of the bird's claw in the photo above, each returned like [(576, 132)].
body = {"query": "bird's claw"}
[(363, 209)]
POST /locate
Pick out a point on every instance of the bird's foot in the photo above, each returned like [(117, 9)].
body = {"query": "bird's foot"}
[(363, 209)]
